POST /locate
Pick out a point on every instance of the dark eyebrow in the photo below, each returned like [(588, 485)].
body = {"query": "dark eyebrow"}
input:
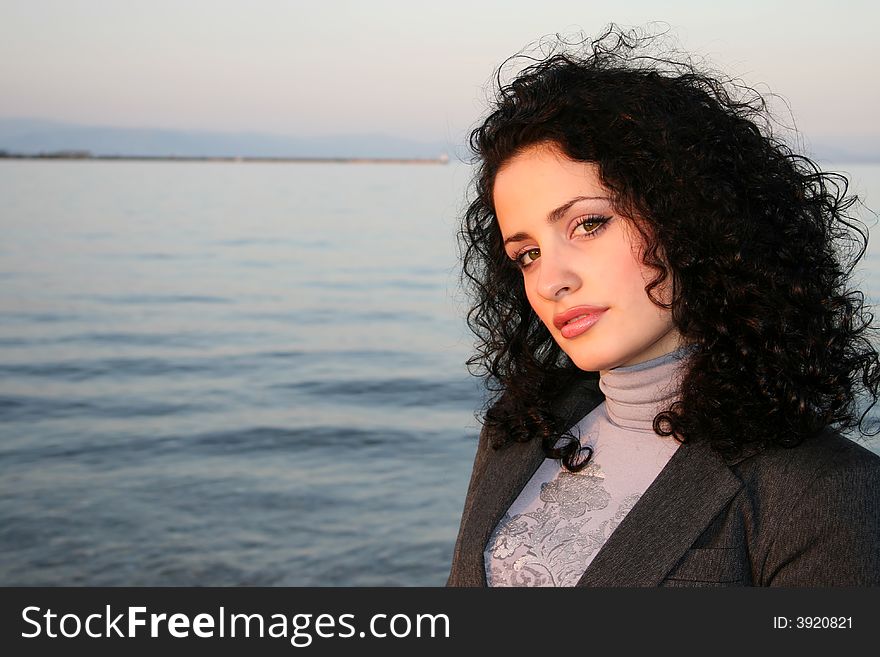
[(555, 215)]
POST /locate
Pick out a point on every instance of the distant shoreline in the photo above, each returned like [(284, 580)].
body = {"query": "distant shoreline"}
[(74, 155)]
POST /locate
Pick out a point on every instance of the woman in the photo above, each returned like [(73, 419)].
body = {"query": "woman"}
[(661, 301)]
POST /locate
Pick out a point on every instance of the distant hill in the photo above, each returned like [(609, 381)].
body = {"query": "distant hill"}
[(35, 136), (853, 150)]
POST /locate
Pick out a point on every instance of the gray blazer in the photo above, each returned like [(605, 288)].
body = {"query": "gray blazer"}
[(804, 516)]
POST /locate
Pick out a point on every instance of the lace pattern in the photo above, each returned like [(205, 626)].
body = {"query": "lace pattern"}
[(552, 545)]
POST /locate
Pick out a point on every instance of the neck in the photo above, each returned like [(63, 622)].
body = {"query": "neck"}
[(636, 393)]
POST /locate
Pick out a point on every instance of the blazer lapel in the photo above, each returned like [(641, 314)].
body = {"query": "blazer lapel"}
[(688, 493), (507, 472)]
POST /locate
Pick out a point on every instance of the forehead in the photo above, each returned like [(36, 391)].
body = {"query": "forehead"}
[(539, 179)]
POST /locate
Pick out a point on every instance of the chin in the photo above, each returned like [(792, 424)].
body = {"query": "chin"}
[(592, 362)]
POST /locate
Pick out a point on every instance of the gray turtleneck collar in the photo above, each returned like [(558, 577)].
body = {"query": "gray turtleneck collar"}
[(635, 394)]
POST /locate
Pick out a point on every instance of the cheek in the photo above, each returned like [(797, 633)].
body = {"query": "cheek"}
[(539, 306), (627, 275), (623, 278), (634, 270), (533, 299)]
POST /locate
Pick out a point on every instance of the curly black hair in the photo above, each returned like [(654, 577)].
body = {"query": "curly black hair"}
[(759, 243)]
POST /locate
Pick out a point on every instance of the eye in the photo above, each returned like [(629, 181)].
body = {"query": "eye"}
[(592, 224), (525, 258)]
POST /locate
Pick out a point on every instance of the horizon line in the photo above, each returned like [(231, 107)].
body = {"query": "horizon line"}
[(85, 156)]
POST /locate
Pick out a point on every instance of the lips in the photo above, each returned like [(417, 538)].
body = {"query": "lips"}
[(574, 313)]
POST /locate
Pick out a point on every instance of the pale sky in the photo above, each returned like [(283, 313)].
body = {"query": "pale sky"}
[(413, 69)]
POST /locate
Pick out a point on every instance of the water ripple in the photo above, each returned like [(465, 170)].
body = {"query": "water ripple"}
[(26, 408), (396, 391)]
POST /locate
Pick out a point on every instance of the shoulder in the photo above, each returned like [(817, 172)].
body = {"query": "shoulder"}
[(829, 473), (828, 455), (817, 506)]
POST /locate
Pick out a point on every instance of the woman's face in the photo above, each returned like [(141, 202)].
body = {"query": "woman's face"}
[(558, 222)]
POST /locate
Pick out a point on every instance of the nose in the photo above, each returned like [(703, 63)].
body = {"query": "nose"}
[(556, 277)]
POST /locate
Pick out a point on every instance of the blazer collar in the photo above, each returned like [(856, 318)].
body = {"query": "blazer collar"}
[(691, 489)]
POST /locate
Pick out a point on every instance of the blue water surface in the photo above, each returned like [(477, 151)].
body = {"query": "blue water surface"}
[(237, 373)]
